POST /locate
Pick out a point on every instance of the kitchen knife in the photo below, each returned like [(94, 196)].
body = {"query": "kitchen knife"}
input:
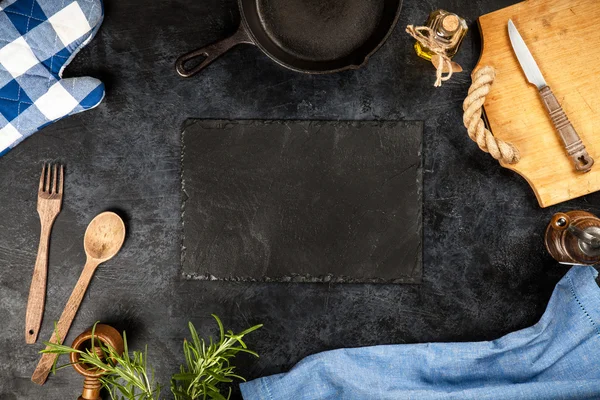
[(571, 140)]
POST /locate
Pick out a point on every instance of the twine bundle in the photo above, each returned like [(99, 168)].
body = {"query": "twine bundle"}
[(426, 37)]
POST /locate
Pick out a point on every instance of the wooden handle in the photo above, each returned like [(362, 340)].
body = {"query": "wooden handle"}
[(45, 364), (37, 290), (560, 222), (571, 140)]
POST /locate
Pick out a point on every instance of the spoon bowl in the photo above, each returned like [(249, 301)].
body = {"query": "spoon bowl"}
[(104, 236)]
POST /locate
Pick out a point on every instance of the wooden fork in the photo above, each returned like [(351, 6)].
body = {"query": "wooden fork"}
[(50, 194)]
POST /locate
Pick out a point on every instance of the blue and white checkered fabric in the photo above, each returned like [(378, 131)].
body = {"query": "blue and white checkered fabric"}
[(38, 39)]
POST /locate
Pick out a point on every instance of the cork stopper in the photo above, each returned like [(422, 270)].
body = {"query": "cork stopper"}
[(450, 23)]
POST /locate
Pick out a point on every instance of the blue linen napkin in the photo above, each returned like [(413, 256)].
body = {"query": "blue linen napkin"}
[(38, 39), (557, 358)]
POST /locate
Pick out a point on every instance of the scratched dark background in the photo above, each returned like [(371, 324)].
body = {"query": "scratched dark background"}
[(485, 269)]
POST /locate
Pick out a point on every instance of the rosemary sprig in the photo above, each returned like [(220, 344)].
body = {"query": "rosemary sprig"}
[(209, 366), (128, 377), (125, 377)]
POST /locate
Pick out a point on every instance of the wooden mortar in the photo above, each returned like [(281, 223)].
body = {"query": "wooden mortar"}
[(109, 336)]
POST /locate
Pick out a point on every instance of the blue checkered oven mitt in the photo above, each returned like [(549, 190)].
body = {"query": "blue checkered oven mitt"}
[(38, 39)]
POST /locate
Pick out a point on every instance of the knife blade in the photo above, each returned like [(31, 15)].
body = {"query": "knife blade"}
[(570, 138), (528, 64)]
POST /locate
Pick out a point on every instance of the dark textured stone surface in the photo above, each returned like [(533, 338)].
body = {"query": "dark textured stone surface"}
[(302, 201), (485, 271)]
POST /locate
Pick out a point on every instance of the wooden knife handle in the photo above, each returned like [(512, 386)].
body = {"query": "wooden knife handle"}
[(571, 140), (47, 360), (37, 290)]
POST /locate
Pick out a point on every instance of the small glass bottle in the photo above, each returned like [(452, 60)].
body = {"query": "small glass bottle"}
[(449, 30)]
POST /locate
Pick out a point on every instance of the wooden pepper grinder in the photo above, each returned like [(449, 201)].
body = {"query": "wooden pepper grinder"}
[(109, 336), (574, 238)]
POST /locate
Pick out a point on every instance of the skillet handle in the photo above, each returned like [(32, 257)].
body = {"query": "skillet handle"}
[(211, 52)]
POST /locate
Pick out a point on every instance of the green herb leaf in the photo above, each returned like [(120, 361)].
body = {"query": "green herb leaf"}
[(208, 369), (207, 374)]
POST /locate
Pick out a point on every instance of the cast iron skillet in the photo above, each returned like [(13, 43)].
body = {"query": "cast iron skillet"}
[(310, 36)]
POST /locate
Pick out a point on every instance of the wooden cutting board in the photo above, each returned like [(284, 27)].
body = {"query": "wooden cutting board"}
[(564, 38)]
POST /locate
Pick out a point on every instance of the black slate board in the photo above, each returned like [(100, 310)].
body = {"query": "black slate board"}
[(302, 201)]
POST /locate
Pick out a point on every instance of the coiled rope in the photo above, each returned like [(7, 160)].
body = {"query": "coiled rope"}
[(483, 78)]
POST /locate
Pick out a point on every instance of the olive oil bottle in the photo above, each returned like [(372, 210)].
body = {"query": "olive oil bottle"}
[(448, 29)]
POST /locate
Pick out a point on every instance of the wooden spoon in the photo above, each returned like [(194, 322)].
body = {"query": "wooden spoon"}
[(103, 240)]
